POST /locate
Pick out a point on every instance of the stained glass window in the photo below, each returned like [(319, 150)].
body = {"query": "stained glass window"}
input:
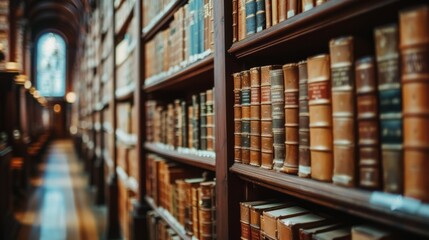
[(51, 65)]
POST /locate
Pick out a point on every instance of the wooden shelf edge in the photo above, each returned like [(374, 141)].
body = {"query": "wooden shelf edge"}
[(328, 13), (195, 69), (168, 219), (207, 163), (350, 200), (158, 22)]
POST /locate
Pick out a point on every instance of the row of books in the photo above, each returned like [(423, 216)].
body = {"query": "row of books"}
[(159, 228), (341, 119), (186, 193), (188, 39), (252, 16), (152, 9), (287, 220), (180, 125)]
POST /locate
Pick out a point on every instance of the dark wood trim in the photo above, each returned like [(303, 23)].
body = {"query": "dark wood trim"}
[(207, 163), (186, 74), (350, 200)]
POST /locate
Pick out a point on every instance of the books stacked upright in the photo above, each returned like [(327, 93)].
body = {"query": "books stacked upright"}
[(186, 194), (4, 29), (346, 120)]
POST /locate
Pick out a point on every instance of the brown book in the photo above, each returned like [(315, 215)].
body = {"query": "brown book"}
[(370, 233), (336, 234), (245, 117), (237, 117), (343, 111), (307, 233), (190, 183), (367, 115), (282, 9), (390, 102), (288, 229), (277, 110), (256, 214), (241, 19), (304, 168), (319, 2), (319, 103), (245, 217), (307, 5), (292, 8), (269, 221), (235, 20), (266, 118), (210, 117), (274, 12), (414, 45), (195, 196), (268, 14), (291, 83), (255, 116)]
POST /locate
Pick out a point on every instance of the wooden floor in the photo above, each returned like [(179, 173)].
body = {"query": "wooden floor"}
[(60, 205)]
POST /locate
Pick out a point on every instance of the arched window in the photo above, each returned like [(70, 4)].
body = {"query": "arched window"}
[(51, 65)]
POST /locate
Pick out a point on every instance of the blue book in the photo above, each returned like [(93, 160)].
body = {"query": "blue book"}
[(250, 17)]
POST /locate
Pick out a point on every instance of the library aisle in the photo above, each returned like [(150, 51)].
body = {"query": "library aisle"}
[(60, 205)]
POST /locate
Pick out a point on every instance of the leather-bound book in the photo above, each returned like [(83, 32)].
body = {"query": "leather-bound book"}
[(336, 234), (414, 45), (266, 118), (177, 123), (210, 119), (250, 17), (288, 228), (319, 104), (255, 116), (343, 111), (241, 19), (292, 8), (195, 196), (245, 116), (190, 126), (235, 20), (184, 123), (274, 12), (277, 110), (363, 232), (367, 115), (269, 221), (307, 5), (245, 217), (189, 184), (203, 121), (291, 96), (237, 117), (307, 233), (195, 122), (304, 163), (390, 102), (282, 9), (260, 15), (268, 15), (256, 215), (320, 2)]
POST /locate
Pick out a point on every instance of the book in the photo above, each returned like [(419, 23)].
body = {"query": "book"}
[(367, 116), (274, 12), (255, 217), (320, 112), (268, 14), (292, 8), (343, 110), (336, 234), (235, 20), (203, 121), (210, 117), (304, 162), (390, 102), (270, 218), (277, 111), (414, 74), (307, 233), (237, 117), (288, 228), (245, 216), (260, 15), (291, 108), (282, 10), (245, 117), (241, 19), (364, 232), (307, 5), (255, 116), (250, 17)]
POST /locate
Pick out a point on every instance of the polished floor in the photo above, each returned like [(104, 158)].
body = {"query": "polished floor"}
[(60, 205)]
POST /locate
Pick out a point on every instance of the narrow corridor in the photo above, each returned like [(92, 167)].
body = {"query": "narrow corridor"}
[(60, 205)]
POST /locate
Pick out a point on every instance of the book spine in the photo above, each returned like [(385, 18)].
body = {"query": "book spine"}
[(206, 22), (320, 2), (274, 12), (210, 120), (255, 116), (291, 109), (307, 5), (195, 122), (292, 8), (195, 195), (260, 15), (268, 13), (234, 20), (415, 78), (178, 123), (237, 117), (343, 111), (201, 26), (277, 110), (320, 110), (211, 26), (390, 103), (191, 27), (367, 115), (190, 125), (170, 125), (203, 121), (250, 17), (241, 19), (245, 117), (282, 8), (266, 119), (304, 162)]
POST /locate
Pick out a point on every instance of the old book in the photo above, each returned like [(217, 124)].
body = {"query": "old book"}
[(256, 214), (288, 228), (237, 117), (343, 110), (414, 47), (203, 121), (190, 183), (241, 19), (206, 23), (260, 15), (190, 126), (274, 12), (320, 110), (268, 13), (205, 210), (304, 162), (320, 2), (307, 233), (211, 26), (282, 9), (307, 5), (245, 216), (266, 118), (367, 115), (195, 196), (196, 122), (292, 8), (291, 108), (336, 234), (255, 116), (390, 102), (270, 218), (363, 232), (245, 117), (178, 123), (210, 117), (277, 111), (184, 124), (234, 20), (250, 17)]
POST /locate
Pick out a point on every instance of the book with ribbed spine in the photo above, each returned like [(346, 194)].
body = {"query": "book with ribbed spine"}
[(390, 102), (245, 117), (291, 108), (277, 111), (250, 17), (268, 13), (414, 45), (304, 162), (234, 20), (343, 110), (241, 19), (320, 110), (203, 121), (237, 117), (210, 117), (260, 15), (255, 116)]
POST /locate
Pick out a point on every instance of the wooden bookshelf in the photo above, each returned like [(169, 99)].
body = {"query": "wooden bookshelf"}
[(204, 162)]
